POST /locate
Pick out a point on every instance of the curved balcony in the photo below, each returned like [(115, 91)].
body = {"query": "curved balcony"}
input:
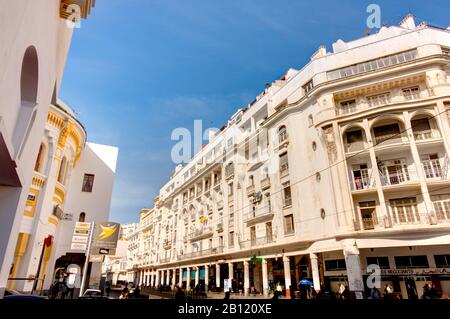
[(259, 215), (201, 233)]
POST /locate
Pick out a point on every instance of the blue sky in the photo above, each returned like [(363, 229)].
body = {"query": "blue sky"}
[(137, 69)]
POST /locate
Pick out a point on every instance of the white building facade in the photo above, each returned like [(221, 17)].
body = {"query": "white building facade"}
[(73, 182), (334, 167), (35, 38)]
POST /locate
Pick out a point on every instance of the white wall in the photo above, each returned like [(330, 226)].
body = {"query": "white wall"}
[(23, 24)]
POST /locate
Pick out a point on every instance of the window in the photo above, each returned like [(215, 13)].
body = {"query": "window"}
[(282, 134), (348, 106), (404, 211), (383, 262), (62, 170), (284, 164), (411, 261), (82, 217), (335, 264), (38, 166), (88, 183), (287, 198), (308, 87), (421, 129), (441, 205), (372, 65), (221, 241), (251, 180), (412, 93), (442, 261), (386, 132), (231, 239), (289, 224), (379, 99)]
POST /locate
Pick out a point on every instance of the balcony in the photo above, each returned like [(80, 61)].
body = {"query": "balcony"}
[(167, 244), (260, 214), (201, 233), (369, 222), (265, 183), (229, 171), (362, 179), (165, 260), (394, 175), (85, 6), (201, 253), (250, 190), (254, 242)]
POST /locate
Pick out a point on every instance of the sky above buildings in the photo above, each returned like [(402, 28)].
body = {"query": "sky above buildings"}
[(138, 69)]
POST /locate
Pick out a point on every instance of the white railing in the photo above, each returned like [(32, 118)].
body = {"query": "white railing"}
[(364, 181), (401, 175), (259, 212), (432, 168)]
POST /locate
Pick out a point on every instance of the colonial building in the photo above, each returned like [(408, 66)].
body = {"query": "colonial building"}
[(336, 166), (72, 182), (35, 37)]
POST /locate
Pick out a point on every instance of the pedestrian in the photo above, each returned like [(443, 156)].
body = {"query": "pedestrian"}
[(433, 292), (137, 293), (279, 288), (64, 290), (276, 294), (227, 295), (180, 295), (375, 293), (387, 291), (124, 293), (108, 289), (426, 292)]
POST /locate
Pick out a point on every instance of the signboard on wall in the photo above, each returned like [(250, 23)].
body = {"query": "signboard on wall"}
[(80, 236), (105, 238)]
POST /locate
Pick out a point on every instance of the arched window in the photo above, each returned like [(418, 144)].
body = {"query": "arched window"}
[(282, 134), (38, 166), (62, 170), (29, 79), (82, 217)]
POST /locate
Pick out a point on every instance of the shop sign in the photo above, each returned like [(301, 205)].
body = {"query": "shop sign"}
[(414, 272)]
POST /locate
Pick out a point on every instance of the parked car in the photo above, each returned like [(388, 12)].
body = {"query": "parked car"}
[(93, 294), (14, 294)]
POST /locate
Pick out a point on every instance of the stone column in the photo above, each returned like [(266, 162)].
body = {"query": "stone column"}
[(315, 271), (383, 215), (353, 265), (265, 278), (180, 278), (217, 275), (168, 277), (157, 278), (174, 278), (246, 278), (152, 279), (206, 278), (420, 171), (287, 275), (188, 278), (230, 271), (197, 276)]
